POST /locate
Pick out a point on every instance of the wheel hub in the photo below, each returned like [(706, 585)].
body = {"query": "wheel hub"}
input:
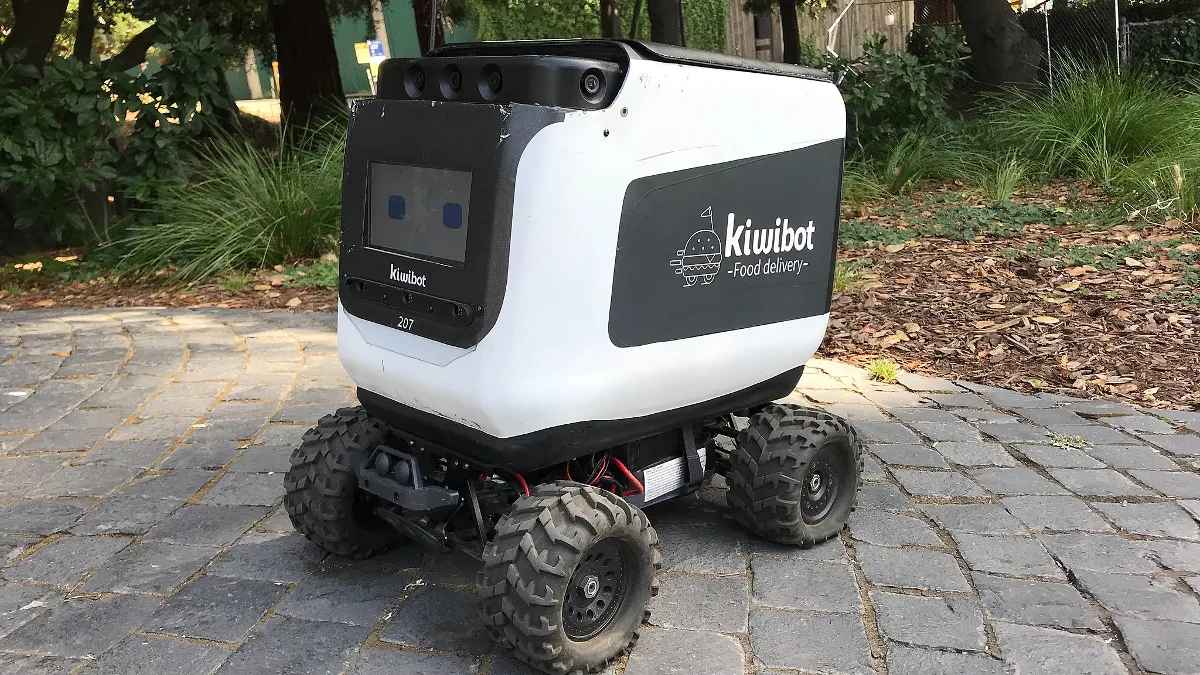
[(596, 591), (821, 485)]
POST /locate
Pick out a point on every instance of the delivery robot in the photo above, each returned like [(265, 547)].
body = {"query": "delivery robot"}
[(574, 277)]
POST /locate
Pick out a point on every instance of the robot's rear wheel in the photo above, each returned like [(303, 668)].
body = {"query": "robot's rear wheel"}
[(322, 498), (794, 475), (568, 576)]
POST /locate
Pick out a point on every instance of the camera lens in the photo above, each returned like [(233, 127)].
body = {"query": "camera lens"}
[(419, 79), (414, 81), (456, 80), (451, 81), (494, 80), (490, 82), (592, 84)]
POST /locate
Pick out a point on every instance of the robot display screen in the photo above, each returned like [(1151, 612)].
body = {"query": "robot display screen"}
[(419, 210)]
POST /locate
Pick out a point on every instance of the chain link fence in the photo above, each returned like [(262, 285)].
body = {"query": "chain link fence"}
[(1086, 34), (1167, 47)]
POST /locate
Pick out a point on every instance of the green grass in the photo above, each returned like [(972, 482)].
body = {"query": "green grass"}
[(1069, 442), (884, 370), (248, 208), (960, 222), (322, 274), (848, 274), (232, 282)]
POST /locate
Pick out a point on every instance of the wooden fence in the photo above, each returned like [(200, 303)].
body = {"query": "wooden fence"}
[(892, 19)]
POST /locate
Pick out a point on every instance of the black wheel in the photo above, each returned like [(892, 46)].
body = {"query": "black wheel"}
[(323, 499), (567, 577), (795, 475)]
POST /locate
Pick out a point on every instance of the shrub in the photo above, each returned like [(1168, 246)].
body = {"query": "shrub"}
[(890, 94), (250, 207), (1095, 123)]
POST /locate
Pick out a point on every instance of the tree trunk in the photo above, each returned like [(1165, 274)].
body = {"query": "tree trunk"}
[(610, 19), (791, 31), (134, 53), (423, 14), (308, 66), (85, 32), (34, 28), (664, 21), (1002, 53)]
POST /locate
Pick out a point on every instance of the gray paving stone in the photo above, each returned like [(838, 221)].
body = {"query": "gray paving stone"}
[(98, 418), (180, 485), (908, 455), (134, 454), (885, 432), (152, 568), (925, 414), (384, 661), (987, 416), (942, 484), (951, 623), (345, 594), (1045, 416), (947, 432), (203, 525), (1179, 444), (240, 410), (22, 664), (959, 401), (1171, 483), (1132, 457), (882, 496), (1181, 556), (1015, 433), (976, 518), (296, 647), (62, 440), (63, 562), (700, 603), (282, 435), (1007, 555), (889, 529), (147, 655), (1062, 458), (154, 428), (210, 455), (1037, 603), (1168, 647), (21, 604), (215, 608), (822, 587), (1100, 408), (1015, 481), (1192, 506), (1051, 652), (1139, 423), (833, 550), (901, 568), (713, 550), (924, 383), (84, 481), (1105, 553), (262, 459), (231, 430), (1056, 513), (246, 489), (172, 407), (268, 556), (1140, 597), (676, 652), (912, 661), (976, 454), (40, 516), (834, 642), (124, 515), (859, 411), (1093, 433), (303, 414), (1098, 483), (872, 469), (81, 626), (439, 619), (1152, 520)]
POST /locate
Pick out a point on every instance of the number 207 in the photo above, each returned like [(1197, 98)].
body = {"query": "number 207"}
[(405, 323)]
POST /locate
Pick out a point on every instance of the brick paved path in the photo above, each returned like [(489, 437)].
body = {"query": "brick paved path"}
[(141, 454)]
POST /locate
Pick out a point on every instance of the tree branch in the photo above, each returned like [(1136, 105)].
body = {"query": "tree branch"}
[(36, 25), (135, 52), (86, 31)]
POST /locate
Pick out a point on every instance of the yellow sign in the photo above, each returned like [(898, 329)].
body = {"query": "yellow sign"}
[(362, 52)]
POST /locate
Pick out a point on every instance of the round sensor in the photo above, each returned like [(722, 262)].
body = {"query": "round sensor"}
[(451, 81), (490, 82), (414, 81), (592, 84)]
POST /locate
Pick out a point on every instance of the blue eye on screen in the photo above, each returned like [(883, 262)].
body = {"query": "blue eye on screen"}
[(396, 207), (452, 215)]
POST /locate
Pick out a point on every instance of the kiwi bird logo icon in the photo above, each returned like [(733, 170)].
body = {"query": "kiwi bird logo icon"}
[(700, 258)]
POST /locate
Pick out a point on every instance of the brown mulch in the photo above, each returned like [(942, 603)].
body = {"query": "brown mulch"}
[(975, 311)]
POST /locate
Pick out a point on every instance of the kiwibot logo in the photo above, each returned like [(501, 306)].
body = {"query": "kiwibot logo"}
[(702, 257), (409, 277)]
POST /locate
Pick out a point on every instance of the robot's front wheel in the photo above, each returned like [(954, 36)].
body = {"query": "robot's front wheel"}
[(568, 576), (322, 498), (794, 475)]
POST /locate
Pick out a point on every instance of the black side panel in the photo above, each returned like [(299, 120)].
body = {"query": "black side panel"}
[(548, 447), (453, 304), (726, 247)]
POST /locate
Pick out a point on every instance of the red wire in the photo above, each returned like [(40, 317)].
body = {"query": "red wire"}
[(632, 478), (603, 468), (524, 486), (568, 471)]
